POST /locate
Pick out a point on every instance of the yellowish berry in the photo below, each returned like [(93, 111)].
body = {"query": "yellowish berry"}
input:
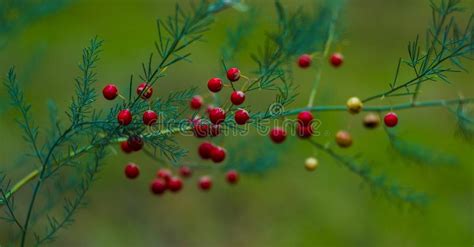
[(311, 164), (354, 105)]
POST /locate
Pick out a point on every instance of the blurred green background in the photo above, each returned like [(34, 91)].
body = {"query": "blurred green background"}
[(287, 206)]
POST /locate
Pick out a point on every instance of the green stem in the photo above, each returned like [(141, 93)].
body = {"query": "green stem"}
[(327, 46), (432, 103)]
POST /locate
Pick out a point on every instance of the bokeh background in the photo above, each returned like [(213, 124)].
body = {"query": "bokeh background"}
[(287, 206)]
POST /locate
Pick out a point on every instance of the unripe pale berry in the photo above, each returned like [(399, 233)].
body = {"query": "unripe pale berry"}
[(132, 171), (237, 97), (125, 147), (343, 139), (135, 142), (175, 184), (371, 120), (164, 174), (336, 59), (391, 119), (241, 116), (205, 183), (214, 84), (148, 90), (354, 105), (158, 186), (277, 135), (232, 176), (233, 74), (124, 117), (304, 61), (305, 118), (149, 117), (110, 91), (196, 102), (205, 150), (311, 164), (185, 172), (217, 115), (218, 154), (304, 131)]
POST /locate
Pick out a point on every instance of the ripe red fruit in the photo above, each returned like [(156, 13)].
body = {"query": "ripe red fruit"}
[(148, 90), (218, 154), (124, 117), (214, 84), (175, 184), (237, 97), (135, 142), (241, 116), (305, 118), (164, 174), (278, 135), (110, 92), (185, 172), (125, 147), (205, 183), (304, 61), (391, 119), (233, 74), (196, 102), (149, 117), (217, 115), (214, 130), (132, 171), (158, 186), (200, 129), (304, 131), (232, 176), (336, 59), (205, 150)]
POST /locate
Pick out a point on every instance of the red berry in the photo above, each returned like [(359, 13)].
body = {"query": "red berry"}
[(158, 186), (217, 115), (135, 142), (218, 154), (391, 119), (215, 84), (200, 129), (148, 90), (232, 176), (124, 117), (304, 61), (185, 172), (205, 183), (149, 117), (125, 147), (209, 108), (175, 184), (132, 171), (196, 102), (304, 131), (110, 92), (164, 174), (233, 74), (237, 97), (205, 150), (305, 118), (336, 59), (278, 135), (241, 116)]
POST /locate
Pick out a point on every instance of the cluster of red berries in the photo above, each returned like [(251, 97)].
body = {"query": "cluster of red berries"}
[(125, 117), (305, 60), (304, 128), (165, 180)]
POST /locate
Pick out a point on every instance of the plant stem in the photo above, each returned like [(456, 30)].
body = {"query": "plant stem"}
[(432, 103), (327, 46)]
